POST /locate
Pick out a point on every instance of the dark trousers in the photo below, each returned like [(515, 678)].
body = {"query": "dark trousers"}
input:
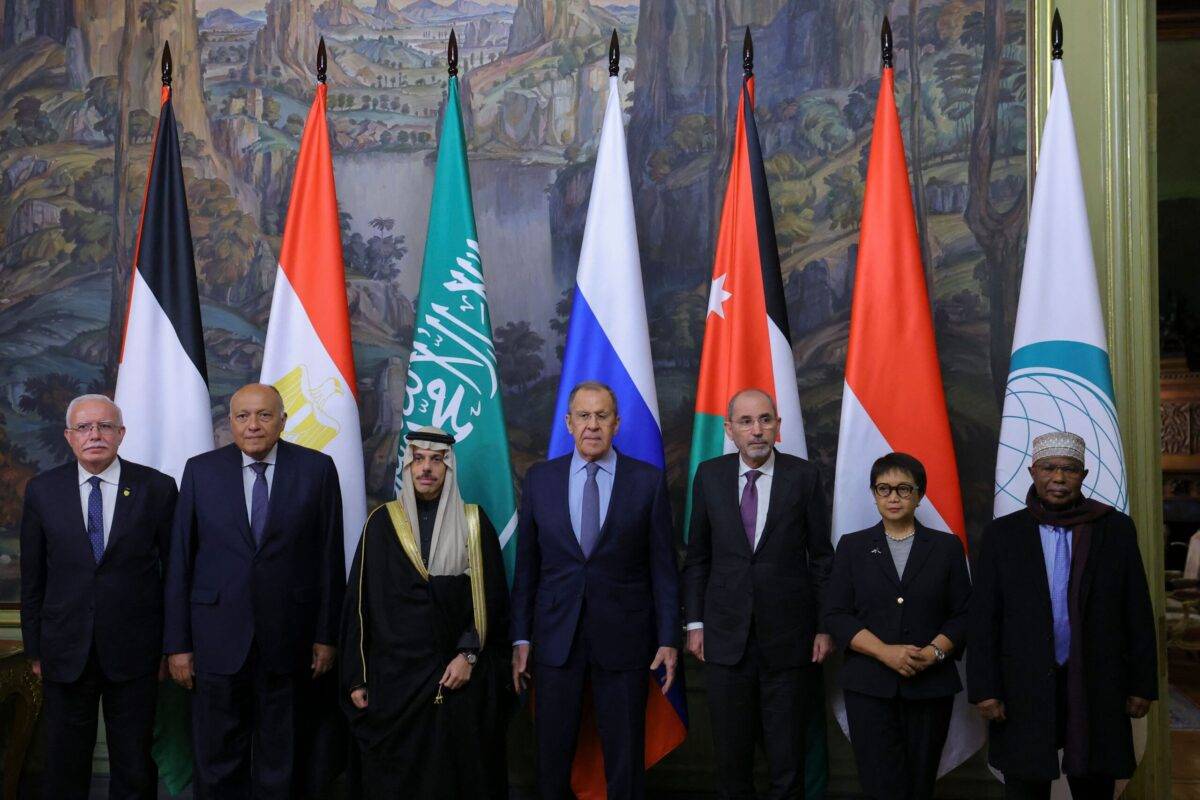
[(244, 733), (751, 704), (619, 699), (897, 743), (1089, 788), (71, 711)]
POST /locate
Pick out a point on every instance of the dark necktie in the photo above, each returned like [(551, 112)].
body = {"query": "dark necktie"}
[(750, 505), (589, 523), (258, 502), (95, 520)]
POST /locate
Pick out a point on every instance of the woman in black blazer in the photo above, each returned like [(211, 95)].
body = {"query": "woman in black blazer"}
[(897, 606)]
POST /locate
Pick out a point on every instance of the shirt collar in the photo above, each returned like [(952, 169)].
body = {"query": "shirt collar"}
[(607, 462), (111, 473), (768, 467), (269, 458)]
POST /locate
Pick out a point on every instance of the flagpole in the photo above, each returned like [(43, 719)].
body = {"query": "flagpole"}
[(885, 43), (166, 65), (747, 55), (614, 55), (322, 61), (1056, 37)]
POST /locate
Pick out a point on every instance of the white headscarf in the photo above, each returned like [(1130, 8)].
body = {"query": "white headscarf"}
[(448, 547)]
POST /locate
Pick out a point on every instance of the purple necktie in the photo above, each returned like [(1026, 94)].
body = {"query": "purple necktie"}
[(258, 502), (95, 520), (750, 505)]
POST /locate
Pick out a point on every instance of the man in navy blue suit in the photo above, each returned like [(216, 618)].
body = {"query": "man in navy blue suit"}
[(254, 590), (94, 533), (595, 596)]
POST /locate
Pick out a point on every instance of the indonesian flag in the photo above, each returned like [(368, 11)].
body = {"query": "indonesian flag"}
[(893, 399), (307, 355), (162, 380), (746, 309)]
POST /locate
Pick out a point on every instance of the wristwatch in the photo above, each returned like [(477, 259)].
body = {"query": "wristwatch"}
[(938, 652), (470, 656)]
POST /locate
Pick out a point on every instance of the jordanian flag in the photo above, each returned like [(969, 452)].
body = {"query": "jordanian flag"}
[(162, 380), (747, 343), (453, 381)]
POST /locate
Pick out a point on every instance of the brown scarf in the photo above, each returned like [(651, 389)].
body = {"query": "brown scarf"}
[(1079, 519)]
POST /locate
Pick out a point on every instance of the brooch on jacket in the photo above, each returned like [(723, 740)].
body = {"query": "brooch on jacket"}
[(875, 551)]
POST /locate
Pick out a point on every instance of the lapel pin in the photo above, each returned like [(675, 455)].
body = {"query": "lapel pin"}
[(126, 492), (875, 551)]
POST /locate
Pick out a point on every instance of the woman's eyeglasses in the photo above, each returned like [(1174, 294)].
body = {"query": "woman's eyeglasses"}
[(902, 490)]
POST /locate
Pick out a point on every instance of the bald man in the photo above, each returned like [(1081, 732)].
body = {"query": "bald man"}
[(757, 561), (255, 581)]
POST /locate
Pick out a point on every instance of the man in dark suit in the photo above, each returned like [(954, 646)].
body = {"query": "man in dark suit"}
[(1062, 634), (254, 591), (94, 533), (758, 557), (595, 596)]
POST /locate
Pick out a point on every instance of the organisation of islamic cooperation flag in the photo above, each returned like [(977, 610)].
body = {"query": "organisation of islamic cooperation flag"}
[(453, 381), (308, 355), (1059, 377), (888, 406), (608, 340)]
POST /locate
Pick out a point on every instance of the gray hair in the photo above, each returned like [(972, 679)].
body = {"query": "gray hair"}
[(89, 398), (593, 386), (749, 390)]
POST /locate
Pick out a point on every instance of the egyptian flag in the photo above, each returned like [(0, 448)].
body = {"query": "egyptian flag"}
[(162, 381), (892, 399), (308, 355), (748, 344), (608, 340)]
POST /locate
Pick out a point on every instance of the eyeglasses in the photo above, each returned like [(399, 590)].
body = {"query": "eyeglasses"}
[(746, 423), (1068, 470), (104, 428), (902, 490)]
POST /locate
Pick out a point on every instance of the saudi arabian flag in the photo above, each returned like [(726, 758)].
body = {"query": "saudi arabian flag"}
[(453, 381)]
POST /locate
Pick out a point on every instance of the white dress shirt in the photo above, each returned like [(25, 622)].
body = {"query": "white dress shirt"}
[(109, 478), (763, 484), (248, 476)]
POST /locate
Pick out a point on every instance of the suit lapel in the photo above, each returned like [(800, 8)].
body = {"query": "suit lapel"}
[(730, 476), (233, 488), (127, 488), (922, 546), (881, 554), (74, 510), (562, 479), (782, 487), (1029, 543), (1095, 543), (282, 479)]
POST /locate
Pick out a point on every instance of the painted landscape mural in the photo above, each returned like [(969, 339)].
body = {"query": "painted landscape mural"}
[(79, 88)]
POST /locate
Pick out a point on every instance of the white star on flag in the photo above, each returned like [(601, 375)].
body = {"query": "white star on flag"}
[(717, 297)]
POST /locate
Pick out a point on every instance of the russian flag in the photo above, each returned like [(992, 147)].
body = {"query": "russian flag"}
[(608, 340)]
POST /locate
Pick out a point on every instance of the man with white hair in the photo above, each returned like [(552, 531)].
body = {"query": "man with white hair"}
[(94, 536), (424, 647), (1062, 652)]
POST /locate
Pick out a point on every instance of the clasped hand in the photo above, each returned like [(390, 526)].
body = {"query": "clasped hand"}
[(908, 659)]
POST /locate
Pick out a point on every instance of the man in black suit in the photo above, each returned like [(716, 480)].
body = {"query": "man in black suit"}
[(1062, 634), (758, 557), (94, 533), (254, 591), (595, 596)]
